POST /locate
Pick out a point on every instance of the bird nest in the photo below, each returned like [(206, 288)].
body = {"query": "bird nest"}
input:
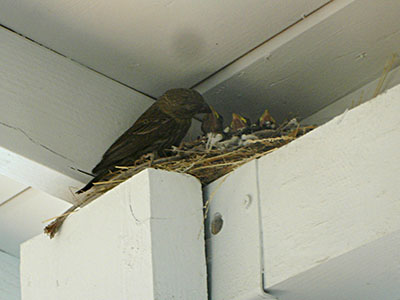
[(207, 158)]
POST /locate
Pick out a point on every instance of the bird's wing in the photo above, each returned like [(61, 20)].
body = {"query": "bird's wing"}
[(149, 133), (137, 133)]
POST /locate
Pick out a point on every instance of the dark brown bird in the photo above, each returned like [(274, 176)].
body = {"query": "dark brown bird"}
[(163, 124), (239, 123), (212, 122), (266, 120)]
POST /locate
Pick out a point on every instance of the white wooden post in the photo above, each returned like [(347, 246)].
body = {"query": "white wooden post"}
[(141, 240), (9, 277), (316, 219)]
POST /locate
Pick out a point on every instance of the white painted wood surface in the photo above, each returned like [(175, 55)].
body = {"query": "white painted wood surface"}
[(56, 116), (9, 188), (333, 190), (234, 255), (38, 175), (268, 61), (353, 99), (326, 56), (22, 217), (141, 240), (369, 272), (62, 115), (9, 277), (319, 198), (57, 112), (154, 45)]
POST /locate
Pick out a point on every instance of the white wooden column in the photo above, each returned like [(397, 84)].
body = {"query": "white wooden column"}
[(141, 240), (316, 219)]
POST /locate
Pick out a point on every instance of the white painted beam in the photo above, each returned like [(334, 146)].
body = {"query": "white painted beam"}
[(369, 272), (9, 188), (56, 115), (141, 240), (57, 112), (9, 277), (23, 217), (317, 202), (38, 175), (333, 190)]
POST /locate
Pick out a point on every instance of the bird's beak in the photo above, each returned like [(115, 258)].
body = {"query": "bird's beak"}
[(205, 109)]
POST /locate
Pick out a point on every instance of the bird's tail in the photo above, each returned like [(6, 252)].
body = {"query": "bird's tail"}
[(90, 183)]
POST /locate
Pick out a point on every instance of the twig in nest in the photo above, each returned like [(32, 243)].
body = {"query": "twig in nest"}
[(207, 166), (54, 226)]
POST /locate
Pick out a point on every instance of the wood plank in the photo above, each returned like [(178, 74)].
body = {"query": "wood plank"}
[(58, 116), (154, 45), (234, 254), (332, 190), (353, 99), (38, 175), (9, 188), (57, 112), (142, 240), (329, 54), (370, 272), (22, 218), (323, 221)]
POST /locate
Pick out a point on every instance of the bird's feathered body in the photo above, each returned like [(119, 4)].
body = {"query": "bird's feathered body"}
[(212, 122), (239, 123), (147, 134), (163, 124)]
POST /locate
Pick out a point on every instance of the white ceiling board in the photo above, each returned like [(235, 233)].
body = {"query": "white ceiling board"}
[(9, 188), (331, 53), (21, 218), (353, 99), (56, 112), (153, 45)]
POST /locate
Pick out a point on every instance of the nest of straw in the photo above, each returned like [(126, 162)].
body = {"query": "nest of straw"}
[(197, 158)]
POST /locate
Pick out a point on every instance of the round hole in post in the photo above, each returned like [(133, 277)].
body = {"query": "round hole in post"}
[(216, 223)]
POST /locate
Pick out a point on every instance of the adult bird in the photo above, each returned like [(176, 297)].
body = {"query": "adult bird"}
[(162, 125)]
